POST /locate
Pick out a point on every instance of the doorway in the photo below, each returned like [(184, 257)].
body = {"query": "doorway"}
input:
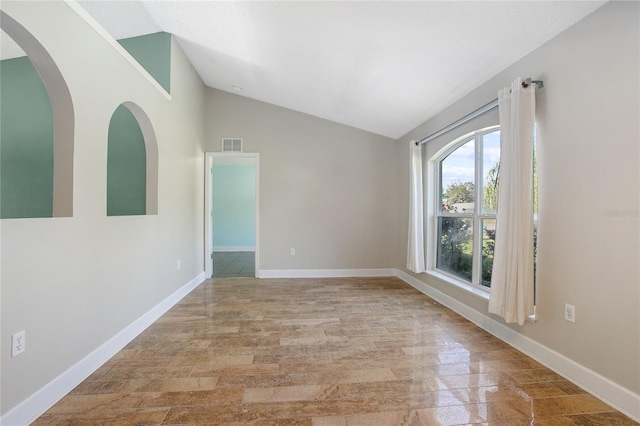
[(231, 200)]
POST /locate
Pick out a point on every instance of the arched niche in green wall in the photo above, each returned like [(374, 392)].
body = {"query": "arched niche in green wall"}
[(37, 132), (132, 163)]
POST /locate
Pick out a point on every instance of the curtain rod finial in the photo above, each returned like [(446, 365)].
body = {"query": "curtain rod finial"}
[(528, 82)]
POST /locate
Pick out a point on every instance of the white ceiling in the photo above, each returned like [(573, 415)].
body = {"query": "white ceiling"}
[(381, 66)]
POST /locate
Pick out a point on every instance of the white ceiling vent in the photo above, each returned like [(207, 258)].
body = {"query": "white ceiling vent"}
[(231, 144)]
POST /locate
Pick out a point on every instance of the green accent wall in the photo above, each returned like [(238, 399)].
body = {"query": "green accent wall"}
[(26, 137), (26, 142), (126, 165), (233, 206), (153, 52)]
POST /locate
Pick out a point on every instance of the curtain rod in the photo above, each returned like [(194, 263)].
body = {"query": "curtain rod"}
[(539, 84)]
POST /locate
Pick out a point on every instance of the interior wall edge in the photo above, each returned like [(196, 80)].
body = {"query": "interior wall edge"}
[(82, 13)]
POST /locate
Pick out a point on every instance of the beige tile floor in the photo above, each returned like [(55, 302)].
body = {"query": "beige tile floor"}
[(360, 351)]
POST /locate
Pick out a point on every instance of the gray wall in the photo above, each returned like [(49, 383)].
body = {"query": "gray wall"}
[(325, 188), (589, 185), (73, 283)]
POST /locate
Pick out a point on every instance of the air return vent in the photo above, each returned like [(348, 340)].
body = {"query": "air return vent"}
[(231, 144)]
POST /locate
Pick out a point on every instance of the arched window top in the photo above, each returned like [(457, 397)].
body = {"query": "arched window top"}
[(470, 161), (454, 144)]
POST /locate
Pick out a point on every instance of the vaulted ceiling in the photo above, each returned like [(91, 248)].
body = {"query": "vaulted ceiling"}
[(381, 66)]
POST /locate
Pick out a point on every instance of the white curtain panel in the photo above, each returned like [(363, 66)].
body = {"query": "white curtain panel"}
[(415, 250), (512, 284)]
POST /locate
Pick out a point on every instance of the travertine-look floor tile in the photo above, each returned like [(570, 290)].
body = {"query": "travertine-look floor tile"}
[(181, 384), (113, 417), (501, 412), (101, 402), (285, 393), (602, 419), (562, 405), (343, 351), (400, 418)]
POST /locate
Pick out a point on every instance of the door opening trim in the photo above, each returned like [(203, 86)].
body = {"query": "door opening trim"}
[(208, 210)]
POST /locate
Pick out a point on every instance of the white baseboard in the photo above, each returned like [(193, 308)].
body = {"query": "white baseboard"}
[(460, 308), (43, 399), (620, 398), (234, 248), (325, 273)]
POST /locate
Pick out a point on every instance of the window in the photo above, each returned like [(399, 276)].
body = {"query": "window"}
[(468, 170), (467, 182)]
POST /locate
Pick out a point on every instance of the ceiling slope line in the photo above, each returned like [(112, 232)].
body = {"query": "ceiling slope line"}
[(80, 11)]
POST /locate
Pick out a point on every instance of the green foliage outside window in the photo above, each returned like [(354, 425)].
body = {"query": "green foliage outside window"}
[(455, 254)]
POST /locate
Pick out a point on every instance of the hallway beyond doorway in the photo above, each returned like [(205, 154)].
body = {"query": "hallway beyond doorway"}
[(227, 264), (230, 235)]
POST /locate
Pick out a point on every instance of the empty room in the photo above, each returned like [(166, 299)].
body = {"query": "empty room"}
[(319, 213)]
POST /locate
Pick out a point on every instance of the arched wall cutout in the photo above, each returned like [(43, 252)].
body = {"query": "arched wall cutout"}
[(151, 145), (116, 207), (63, 113)]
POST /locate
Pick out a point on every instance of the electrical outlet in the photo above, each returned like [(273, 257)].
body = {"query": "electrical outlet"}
[(293, 252), (569, 312), (18, 343), (179, 264)]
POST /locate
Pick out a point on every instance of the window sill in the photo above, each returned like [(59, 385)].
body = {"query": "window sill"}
[(478, 292), (449, 279)]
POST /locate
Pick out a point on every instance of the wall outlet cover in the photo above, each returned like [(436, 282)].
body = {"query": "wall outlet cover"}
[(18, 343), (569, 312)]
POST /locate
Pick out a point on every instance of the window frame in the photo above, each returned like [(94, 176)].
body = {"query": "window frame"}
[(476, 217)]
